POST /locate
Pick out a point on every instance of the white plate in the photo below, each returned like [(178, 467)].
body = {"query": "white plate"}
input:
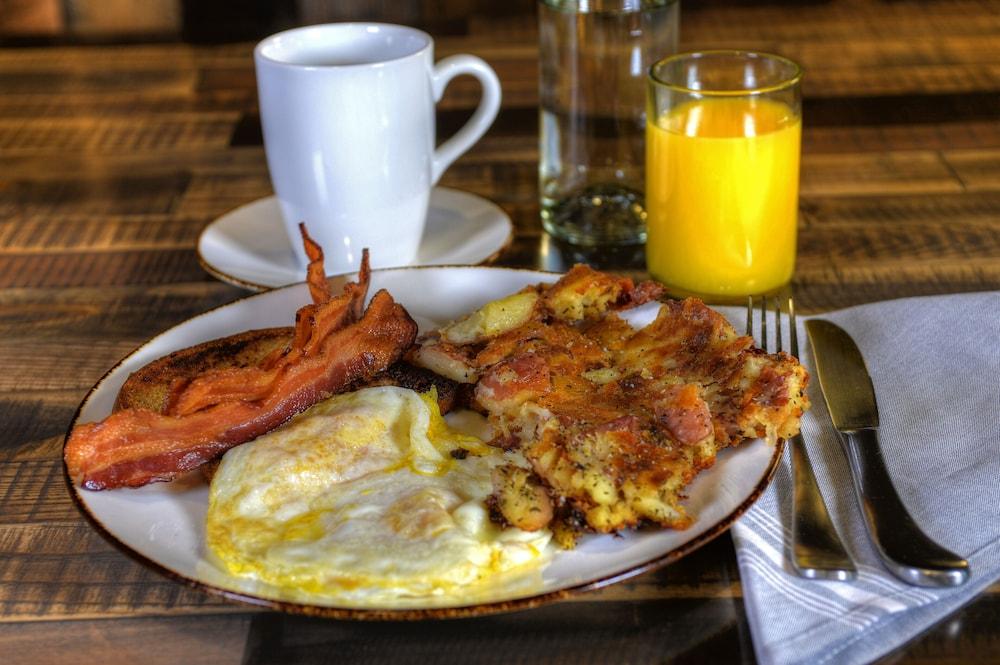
[(163, 524), (248, 246)]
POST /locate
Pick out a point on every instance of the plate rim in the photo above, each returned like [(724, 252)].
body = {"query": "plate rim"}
[(255, 287), (403, 614)]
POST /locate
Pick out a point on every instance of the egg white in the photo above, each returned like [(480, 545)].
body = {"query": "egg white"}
[(359, 499)]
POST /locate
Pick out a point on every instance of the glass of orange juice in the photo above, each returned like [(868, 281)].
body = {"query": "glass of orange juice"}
[(723, 130)]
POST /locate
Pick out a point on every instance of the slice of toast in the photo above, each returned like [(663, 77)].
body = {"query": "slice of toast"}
[(149, 387)]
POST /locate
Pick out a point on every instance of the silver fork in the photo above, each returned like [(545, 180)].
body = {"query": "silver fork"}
[(817, 552)]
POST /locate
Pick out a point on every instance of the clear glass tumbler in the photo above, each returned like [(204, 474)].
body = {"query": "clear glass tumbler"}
[(594, 57), (722, 172)]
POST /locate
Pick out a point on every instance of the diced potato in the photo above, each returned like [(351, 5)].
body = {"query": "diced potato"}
[(584, 294), (492, 319), (448, 364), (521, 498)]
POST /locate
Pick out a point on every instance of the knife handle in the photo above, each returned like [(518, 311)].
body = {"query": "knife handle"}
[(906, 550)]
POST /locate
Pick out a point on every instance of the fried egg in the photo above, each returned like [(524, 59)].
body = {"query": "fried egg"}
[(368, 498)]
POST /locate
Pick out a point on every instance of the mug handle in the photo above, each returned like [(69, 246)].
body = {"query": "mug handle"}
[(444, 71)]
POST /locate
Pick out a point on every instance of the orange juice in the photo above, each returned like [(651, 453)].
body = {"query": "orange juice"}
[(722, 185)]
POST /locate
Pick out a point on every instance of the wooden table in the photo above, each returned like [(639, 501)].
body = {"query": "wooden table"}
[(112, 160)]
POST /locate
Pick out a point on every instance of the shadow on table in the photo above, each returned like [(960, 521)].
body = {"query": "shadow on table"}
[(665, 622)]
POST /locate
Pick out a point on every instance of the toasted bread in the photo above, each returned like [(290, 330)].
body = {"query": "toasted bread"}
[(150, 386)]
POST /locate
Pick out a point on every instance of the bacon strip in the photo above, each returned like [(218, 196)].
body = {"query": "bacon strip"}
[(319, 288), (314, 324), (337, 344)]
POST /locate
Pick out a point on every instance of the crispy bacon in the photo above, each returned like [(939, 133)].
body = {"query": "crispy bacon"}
[(684, 413), (337, 344), (313, 325), (514, 381), (319, 288)]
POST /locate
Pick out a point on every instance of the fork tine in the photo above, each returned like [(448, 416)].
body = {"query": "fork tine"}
[(777, 325), (749, 316), (763, 324), (792, 329)]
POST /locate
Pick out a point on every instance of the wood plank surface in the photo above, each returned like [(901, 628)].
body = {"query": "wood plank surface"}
[(188, 639), (114, 158)]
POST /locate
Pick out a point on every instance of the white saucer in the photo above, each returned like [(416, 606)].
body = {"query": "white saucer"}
[(248, 246)]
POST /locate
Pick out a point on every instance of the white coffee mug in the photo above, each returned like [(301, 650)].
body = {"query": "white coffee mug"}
[(347, 111)]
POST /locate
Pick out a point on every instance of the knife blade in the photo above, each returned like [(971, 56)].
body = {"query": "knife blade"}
[(847, 388)]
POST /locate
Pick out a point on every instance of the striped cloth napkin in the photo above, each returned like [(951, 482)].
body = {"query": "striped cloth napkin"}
[(935, 363)]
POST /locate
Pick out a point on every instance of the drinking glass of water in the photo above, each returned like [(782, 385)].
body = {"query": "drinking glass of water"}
[(594, 57)]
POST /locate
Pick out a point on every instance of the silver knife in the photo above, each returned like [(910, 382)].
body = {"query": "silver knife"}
[(847, 388)]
